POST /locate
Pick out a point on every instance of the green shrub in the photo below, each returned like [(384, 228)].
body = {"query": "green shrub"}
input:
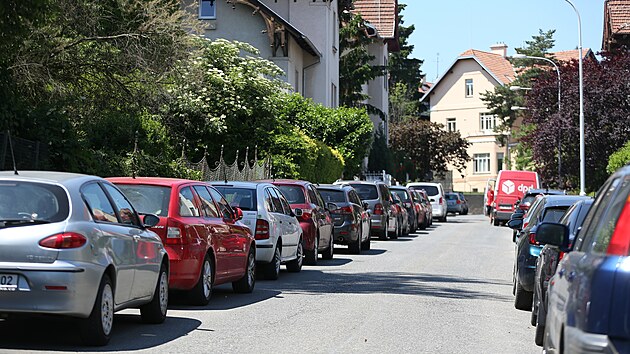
[(619, 158)]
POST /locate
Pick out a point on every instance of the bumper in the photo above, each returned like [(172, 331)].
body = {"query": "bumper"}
[(439, 211), (580, 342), (379, 222), (264, 251), (308, 234), (81, 280), (346, 233), (454, 209), (502, 215)]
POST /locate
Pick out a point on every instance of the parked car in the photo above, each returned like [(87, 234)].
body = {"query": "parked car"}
[(401, 215), (315, 218), (549, 208), (428, 208), (530, 196), (74, 245), (547, 263), (587, 302), (404, 194), (464, 201), (277, 231), (510, 187), (384, 218), (436, 196), (422, 216), (199, 229), (453, 203), (352, 221)]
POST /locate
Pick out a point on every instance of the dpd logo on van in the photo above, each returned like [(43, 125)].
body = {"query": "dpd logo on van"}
[(507, 187)]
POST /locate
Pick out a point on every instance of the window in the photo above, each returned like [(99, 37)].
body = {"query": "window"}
[(487, 121), (207, 9), (207, 204), (451, 125), (268, 201), (469, 88), (187, 205), (275, 199), (225, 210), (482, 163), (126, 213), (333, 93), (296, 83), (499, 161), (98, 203)]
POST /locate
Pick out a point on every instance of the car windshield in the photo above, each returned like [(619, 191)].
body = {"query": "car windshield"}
[(31, 201), (554, 214), (365, 191), (431, 190), (294, 194), (243, 198), (401, 194), (147, 199), (332, 196)]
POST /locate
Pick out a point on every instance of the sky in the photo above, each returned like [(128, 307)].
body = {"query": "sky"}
[(450, 27)]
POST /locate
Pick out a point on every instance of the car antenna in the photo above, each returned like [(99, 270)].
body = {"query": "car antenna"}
[(134, 157), (15, 171)]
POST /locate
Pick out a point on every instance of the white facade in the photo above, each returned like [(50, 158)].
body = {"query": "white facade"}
[(377, 89)]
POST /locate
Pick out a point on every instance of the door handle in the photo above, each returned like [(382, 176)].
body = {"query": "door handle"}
[(571, 276), (561, 272)]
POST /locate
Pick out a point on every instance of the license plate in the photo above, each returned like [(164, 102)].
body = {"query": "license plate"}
[(8, 282)]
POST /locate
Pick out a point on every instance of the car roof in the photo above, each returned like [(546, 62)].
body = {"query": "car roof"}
[(43, 176), (562, 200), (286, 181), (334, 186), (239, 184), (545, 191), (157, 181), (414, 184)]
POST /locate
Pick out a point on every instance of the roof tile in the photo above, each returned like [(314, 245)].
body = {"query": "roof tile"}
[(497, 64), (380, 13)]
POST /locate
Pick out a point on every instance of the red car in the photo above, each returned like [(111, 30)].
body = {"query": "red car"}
[(205, 244), (315, 219)]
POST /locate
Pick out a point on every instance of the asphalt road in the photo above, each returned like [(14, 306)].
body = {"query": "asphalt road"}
[(444, 290)]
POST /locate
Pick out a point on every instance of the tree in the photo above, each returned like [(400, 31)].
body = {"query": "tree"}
[(429, 146), (619, 159), (607, 118)]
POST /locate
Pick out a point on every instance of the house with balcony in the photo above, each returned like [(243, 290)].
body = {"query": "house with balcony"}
[(616, 25), (300, 36)]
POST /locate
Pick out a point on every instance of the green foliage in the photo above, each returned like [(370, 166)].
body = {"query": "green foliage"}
[(523, 158), (619, 159), (381, 158)]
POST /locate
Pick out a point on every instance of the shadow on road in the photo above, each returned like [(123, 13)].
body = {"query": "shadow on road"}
[(62, 334)]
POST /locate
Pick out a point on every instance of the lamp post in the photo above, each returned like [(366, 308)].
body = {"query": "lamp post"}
[(582, 152), (523, 56)]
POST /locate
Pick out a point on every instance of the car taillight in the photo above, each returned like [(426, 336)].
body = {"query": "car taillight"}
[(307, 214), (174, 233), (441, 200), (64, 240), (262, 230), (532, 239), (620, 241), (344, 210), (560, 255), (458, 201), (378, 209)]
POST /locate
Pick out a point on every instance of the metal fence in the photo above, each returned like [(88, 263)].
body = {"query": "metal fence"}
[(29, 155), (246, 170)]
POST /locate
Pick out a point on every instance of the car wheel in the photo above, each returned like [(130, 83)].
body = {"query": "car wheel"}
[(355, 247), (247, 282), (313, 255), (295, 265), (272, 270), (202, 292), (534, 310), (96, 330), (384, 235), (329, 252), (396, 233), (539, 336), (366, 245), (443, 219), (155, 311), (523, 299)]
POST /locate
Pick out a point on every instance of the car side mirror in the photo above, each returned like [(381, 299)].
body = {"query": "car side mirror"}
[(238, 213), (298, 212), (407, 205), (366, 206), (515, 224), (332, 206), (553, 234), (150, 220)]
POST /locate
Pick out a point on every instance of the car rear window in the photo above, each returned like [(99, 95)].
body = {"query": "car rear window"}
[(365, 191), (401, 194), (147, 199), (451, 196), (431, 190), (244, 198), (294, 194), (33, 201), (554, 214), (333, 196)]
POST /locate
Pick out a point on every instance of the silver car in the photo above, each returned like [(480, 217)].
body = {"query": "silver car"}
[(73, 245)]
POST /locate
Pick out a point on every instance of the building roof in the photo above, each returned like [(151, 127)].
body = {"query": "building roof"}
[(495, 64), (381, 14), (568, 55), (616, 20)]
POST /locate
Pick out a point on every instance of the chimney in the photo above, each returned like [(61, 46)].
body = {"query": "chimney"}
[(499, 48)]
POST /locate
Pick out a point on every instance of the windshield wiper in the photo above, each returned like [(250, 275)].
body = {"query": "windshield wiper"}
[(22, 222)]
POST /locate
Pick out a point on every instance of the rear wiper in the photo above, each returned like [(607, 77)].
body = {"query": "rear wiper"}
[(21, 222)]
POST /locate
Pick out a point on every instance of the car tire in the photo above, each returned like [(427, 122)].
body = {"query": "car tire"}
[(443, 219), (96, 330), (396, 233), (202, 292), (355, 247), (384, 235), (534, 310), (366, 245), (330, 251), (312, 255), (295, 266), (539, 336), (423, 225), (155, 311), (271, 271), (523, 299), (246, 284), (495, 222)]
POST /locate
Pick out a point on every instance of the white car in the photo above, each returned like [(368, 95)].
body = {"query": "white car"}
[(269, 216), (436, 196)]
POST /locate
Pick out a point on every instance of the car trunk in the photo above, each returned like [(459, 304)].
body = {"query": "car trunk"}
[(21, 243), (619, 323)]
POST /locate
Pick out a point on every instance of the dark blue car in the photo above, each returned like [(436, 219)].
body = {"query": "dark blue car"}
[(589, 295), (548, 208)]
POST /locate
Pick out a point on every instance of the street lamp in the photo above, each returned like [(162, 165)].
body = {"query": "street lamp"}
[(523, 56), (582, 152), (519, 88), (518, 108)]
